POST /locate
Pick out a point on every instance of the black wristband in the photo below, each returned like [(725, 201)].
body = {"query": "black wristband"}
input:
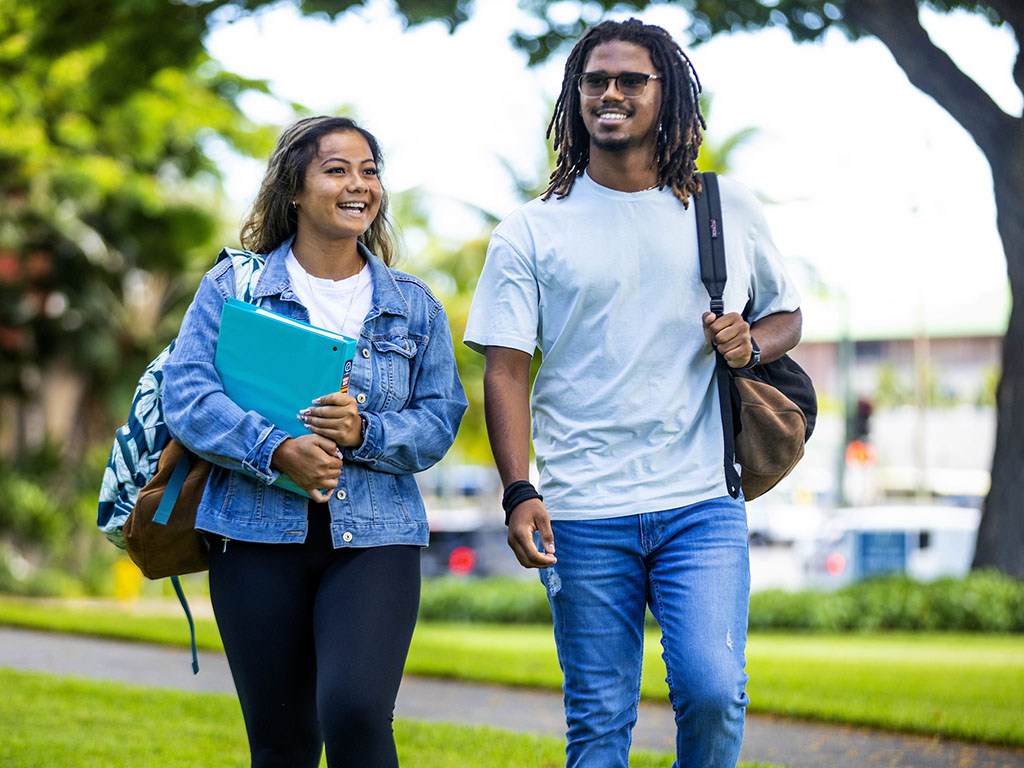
[(515, 494)]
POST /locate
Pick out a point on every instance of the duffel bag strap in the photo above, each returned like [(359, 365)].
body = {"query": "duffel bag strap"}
[(711, 250)]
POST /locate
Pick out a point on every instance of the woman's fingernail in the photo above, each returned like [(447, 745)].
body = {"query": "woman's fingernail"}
[(337, 452), (316, 401)]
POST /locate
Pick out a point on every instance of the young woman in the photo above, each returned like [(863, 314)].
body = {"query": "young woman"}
[(316, 598)]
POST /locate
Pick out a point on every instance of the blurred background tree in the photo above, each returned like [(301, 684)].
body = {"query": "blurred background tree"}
[(109, 211), (109, 196)]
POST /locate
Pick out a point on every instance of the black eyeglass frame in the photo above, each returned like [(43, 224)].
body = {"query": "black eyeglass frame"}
[(610, 78)]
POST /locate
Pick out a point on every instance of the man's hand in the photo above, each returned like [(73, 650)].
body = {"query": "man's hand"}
[(312, 461), (335, 416), (525, 520), (730, 335)]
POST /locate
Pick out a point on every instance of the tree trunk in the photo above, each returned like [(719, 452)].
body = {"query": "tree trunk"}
[(1001, 139), (1001, 536)]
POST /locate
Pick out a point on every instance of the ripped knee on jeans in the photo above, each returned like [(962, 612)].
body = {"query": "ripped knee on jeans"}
[(551, 580)]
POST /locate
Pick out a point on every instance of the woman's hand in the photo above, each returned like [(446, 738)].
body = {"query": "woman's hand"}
[(337, 417), (312, 461)]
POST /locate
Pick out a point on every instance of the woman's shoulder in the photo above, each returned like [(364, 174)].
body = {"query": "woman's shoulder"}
[(414, 289)]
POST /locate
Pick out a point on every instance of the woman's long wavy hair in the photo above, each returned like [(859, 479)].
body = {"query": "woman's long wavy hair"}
[(273, 219), (680, 122)]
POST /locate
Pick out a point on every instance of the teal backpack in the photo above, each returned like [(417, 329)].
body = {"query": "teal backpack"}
[(138, 444)]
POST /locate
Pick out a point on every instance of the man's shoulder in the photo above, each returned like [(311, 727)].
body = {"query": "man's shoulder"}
[(737, 198), (520, 227), (544, 218), (537, 209)]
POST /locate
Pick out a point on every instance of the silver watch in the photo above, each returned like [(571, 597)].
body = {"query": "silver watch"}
[(755, 354)]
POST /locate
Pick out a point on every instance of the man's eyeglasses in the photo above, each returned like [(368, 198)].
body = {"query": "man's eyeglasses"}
[(629, 84)]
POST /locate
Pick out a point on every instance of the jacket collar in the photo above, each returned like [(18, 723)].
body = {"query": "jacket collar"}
[(387, 298)]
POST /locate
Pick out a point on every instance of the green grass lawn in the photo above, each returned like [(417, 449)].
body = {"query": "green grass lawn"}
[(54, 722), (954, 685)]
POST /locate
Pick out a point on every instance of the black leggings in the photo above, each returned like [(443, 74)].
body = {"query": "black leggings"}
[(316, 639)]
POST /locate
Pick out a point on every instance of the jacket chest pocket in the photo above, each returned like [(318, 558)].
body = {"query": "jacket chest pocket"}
[(394, 357)]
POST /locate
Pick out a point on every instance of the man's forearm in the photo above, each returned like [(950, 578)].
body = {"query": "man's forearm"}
[(777, 334), (507, 411)]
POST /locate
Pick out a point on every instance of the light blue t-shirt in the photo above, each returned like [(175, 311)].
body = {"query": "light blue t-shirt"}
[(607, 285)]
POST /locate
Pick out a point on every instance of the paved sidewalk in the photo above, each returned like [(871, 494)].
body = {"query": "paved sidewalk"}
[(786, 742)]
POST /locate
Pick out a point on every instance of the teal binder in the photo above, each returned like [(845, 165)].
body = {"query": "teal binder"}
[(276, 366)]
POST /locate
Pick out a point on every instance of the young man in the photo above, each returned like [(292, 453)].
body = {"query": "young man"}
[(601, 273)]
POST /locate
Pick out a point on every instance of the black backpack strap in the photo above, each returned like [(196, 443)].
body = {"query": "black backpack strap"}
[(711, 250), (710, 242)]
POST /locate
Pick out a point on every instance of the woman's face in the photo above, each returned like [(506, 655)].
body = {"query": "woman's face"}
[(341, 192)]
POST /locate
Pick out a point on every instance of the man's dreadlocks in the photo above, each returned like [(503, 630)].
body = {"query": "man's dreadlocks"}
[(681, 121)]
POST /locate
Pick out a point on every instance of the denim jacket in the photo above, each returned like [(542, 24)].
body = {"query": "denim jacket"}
[(404, 380)]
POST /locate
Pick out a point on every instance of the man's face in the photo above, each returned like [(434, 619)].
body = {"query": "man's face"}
[(617, 123)]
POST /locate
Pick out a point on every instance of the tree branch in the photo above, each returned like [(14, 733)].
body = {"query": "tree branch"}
[(930, 69)]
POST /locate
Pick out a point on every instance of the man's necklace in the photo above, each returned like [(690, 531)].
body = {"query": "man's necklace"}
[(351, 298)]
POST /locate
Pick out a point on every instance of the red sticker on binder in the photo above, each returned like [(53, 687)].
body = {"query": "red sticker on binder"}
[(345, 376)]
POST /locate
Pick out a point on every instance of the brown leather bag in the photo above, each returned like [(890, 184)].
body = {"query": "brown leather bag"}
[(173, 547), (768, 410), (773, 421)]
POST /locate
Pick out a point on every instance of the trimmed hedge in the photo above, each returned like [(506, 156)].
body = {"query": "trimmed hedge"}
[(499, 600), (985, 601)]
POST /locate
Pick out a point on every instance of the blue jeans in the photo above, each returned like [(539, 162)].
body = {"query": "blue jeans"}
[(691, 566)]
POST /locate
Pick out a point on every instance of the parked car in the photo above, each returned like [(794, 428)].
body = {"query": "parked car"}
[(925, 542)]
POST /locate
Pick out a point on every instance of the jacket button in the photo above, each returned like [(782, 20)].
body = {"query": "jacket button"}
[(361, 398), (346, 536), (341, 494), (366, 352)]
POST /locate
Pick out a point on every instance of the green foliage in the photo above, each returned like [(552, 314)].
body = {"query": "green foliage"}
[(452, 269), (107, 193), (554, 25), (49, 544), (892, 389), (983, 602), (989, 386), (506, 601), (717, 155)]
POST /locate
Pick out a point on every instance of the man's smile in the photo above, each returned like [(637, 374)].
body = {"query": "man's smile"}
[(611, 114)]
